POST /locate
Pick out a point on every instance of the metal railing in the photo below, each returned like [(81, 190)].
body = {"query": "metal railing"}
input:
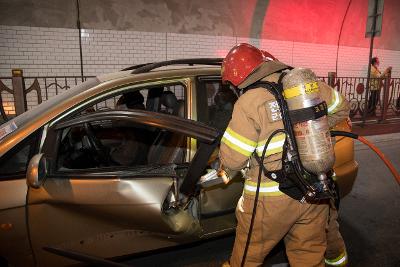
[(387, 104), (51, 85), (19, 93)]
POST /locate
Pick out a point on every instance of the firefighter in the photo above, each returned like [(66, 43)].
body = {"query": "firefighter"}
[(255, 116), (336, 254)]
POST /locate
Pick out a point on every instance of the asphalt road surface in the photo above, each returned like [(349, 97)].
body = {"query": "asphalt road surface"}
[(369, 219)]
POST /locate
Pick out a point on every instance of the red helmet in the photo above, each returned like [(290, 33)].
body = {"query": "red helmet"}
[(267, 56), (240, 62)]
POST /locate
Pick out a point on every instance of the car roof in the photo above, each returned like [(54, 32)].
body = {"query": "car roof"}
[(28, 122), (169, 65), (164, 72)]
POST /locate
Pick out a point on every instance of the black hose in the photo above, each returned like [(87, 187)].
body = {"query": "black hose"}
[(253, 216), (342, 133)]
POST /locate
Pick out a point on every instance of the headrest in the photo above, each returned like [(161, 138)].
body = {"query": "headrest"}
[(133, 99), (169, 99), (225, 96)]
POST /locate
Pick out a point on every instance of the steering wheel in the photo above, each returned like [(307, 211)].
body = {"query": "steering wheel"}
[(96, 146)]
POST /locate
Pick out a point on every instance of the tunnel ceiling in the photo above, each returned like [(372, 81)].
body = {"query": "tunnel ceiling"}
[(311, 21)]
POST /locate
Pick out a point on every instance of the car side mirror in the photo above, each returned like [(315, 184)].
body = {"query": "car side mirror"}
[(36, 171)]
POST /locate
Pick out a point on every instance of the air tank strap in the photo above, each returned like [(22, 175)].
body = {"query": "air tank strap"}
[(281, 76), (310, 113), (283, 177)]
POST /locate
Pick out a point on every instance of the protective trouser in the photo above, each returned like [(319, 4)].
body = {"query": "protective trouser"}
[(336, 249), (373, 101), (302, 225)]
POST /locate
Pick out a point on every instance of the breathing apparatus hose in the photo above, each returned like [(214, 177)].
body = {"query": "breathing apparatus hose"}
[(371, 146), (333, 134), (253, 216)]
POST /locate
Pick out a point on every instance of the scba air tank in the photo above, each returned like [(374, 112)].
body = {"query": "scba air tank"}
[(312, 136)]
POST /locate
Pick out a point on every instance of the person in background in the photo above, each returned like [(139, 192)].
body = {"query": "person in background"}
[(374, 84)]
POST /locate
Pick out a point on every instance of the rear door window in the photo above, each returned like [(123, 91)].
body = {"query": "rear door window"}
[(164, 98)]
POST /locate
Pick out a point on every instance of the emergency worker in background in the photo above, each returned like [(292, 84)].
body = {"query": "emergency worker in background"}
[(255, 116), (375, 84)]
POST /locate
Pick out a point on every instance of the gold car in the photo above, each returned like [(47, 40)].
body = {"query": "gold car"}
[(112, 167)]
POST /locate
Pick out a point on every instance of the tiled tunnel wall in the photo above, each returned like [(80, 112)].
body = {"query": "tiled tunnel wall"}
[(55, 52)]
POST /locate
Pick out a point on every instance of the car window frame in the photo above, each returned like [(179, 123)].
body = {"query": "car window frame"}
[(119, 89), (124, 88), (208, 136)]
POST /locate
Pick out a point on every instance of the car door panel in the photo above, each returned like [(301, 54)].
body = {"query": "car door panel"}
[(14, 242), (218, 203), (221, 198), (144, 195), (14, 238), (103, 217), (108, 212), (13, 193), (217, 207)]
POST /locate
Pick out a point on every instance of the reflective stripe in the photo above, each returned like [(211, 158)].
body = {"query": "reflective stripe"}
[(240, 138), (275, 146), (266, 188), (238, 143), (335, 102), (339, 261), (301, 89)]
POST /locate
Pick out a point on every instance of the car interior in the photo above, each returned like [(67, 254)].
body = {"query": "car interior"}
[(115, 143), (221, 108)]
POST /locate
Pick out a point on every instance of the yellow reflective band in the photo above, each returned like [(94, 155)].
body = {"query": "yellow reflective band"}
[(240, 138), (266, 188), (301, 89), (235, 147), (336, 101), (275, 146), (238, 143), (341, 260), (264, 184)]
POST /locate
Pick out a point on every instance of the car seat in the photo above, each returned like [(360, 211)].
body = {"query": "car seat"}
[(153, 101), (131, 100), (168, 147), (221, 112), (174, 106)]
